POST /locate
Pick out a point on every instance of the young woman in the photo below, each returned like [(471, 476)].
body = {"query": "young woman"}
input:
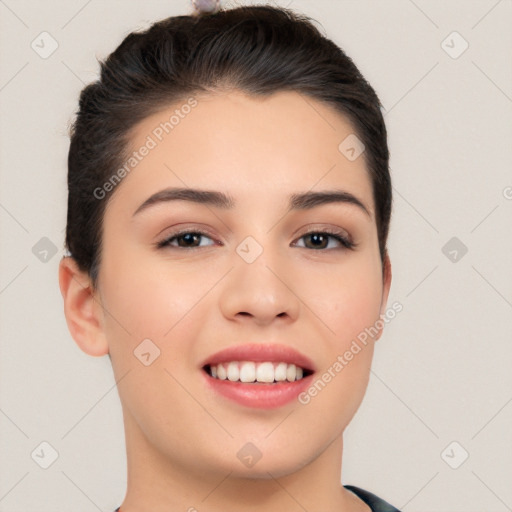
[(229, 205)]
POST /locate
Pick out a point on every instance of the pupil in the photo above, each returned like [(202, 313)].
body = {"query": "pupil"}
[(189, 237), (316, 238)]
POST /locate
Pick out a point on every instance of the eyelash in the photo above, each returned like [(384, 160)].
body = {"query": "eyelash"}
[(343, 240)]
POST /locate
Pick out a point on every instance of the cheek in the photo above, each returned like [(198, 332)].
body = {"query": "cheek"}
[(145, 296), (347, 299), (349, 306)]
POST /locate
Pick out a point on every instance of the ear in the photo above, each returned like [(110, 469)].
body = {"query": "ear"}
[(386, 285), (82, 308)]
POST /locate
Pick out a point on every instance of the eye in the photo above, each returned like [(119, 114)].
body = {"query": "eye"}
[(320, 238), (192, 240), (189, 240)]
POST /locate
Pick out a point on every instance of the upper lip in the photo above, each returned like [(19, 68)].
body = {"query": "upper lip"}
[(258, 352)]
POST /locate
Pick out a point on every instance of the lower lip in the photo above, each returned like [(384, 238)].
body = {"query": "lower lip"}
[(259, 395)]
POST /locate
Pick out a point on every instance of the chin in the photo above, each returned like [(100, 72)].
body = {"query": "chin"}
[(266, 468)]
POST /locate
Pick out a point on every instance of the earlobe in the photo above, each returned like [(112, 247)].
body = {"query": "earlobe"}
[(83, 311)]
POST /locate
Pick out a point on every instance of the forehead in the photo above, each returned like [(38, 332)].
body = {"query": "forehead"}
[(251, 146)]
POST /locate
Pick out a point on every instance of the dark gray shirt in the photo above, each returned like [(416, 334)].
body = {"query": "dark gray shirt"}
[(374, 502)]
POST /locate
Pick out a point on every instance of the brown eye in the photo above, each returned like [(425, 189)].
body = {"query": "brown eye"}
[(185, 240), (320, 240)]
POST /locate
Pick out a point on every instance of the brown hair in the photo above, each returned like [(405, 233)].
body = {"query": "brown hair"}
[(256, 49)]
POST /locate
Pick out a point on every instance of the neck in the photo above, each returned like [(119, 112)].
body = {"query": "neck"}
[(158, 484)]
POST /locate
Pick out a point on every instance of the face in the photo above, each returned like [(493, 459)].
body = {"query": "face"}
[(196, 278)]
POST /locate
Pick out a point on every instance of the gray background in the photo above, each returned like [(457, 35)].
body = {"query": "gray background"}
[(442, 368)]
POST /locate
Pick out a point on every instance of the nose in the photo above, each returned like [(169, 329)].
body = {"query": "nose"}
[(260, 292)]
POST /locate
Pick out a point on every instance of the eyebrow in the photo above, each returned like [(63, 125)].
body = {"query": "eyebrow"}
[(302, 201)]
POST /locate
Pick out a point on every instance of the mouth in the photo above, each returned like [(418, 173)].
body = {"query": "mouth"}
[(253, 372), (258, 376)]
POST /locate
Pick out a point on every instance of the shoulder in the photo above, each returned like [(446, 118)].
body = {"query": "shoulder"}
[(374, 502)]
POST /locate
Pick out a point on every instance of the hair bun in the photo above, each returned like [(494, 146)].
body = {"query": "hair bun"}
[(206, 6)]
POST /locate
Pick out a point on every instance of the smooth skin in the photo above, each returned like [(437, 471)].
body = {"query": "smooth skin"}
[(194, 298)]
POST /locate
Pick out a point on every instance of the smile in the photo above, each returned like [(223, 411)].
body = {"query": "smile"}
[(263, 376), (257, 372)]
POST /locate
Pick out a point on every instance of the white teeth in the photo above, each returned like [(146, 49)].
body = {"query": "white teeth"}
[(233, 371), (221, 372), (249, 371), (291, 372), (280, 372), (265, 372)]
